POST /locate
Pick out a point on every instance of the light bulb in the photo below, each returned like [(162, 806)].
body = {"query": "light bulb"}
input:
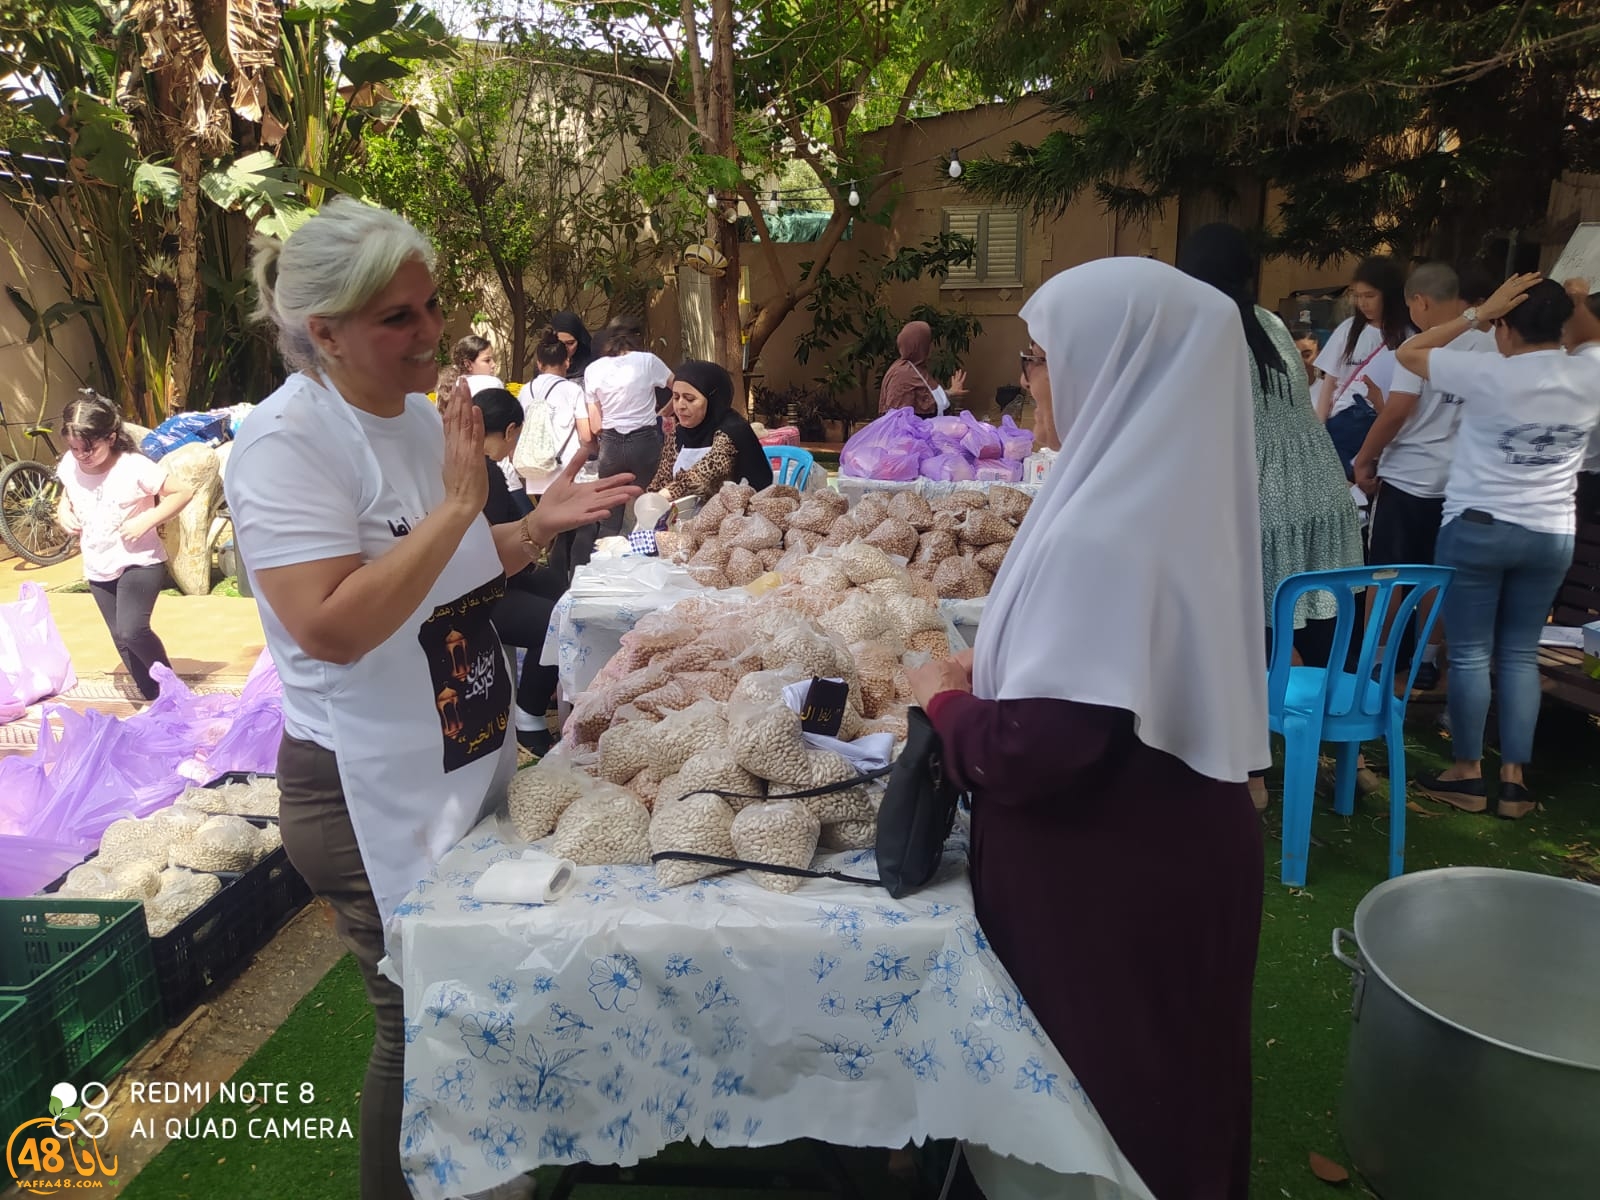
[(855, 196), (711, 200), (955, 163)]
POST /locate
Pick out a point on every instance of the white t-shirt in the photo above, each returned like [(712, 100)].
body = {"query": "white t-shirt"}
[(103, 503), (624, 386), (1418, 459), (566, 403), (300, 491), (1525, 424), (1336, 365)]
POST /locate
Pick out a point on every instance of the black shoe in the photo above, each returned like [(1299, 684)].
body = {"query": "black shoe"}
[(536, 742), (1514, 802), (1469, 795), (1427, 679)]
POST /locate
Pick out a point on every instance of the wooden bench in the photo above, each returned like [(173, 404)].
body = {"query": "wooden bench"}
[(1577, 603)]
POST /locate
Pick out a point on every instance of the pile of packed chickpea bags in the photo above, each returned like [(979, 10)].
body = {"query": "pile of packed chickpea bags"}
[(692, 704)]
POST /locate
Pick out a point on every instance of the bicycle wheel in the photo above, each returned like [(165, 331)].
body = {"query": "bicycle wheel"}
[(29, 492)]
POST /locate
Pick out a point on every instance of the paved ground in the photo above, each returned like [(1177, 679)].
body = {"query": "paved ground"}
[(213, 640)]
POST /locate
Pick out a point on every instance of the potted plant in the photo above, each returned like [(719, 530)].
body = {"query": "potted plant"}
[(812, 408)]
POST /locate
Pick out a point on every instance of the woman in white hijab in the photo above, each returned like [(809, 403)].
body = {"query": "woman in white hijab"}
[(1112, 710)]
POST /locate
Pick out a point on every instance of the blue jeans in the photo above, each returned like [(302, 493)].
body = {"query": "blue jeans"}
[(1506, 579)]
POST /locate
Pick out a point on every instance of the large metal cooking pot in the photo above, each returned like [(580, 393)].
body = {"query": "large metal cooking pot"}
[(1474, 1064)]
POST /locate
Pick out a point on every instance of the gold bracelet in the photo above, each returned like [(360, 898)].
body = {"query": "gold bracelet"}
[(535, 550)]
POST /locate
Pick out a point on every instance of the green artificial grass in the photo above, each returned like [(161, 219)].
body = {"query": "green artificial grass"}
[(1301, 1015), (1302, 1009)]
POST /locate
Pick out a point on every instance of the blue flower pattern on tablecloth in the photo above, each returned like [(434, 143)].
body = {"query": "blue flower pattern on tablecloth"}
[(614, 982), (489, 1036), (922, 1060), (559, 1052)]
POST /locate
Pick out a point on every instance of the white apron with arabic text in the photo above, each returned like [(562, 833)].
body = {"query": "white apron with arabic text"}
[(421, 724)]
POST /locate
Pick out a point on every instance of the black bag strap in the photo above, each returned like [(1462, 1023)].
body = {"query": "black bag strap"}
[(742, 864), (826, 789)]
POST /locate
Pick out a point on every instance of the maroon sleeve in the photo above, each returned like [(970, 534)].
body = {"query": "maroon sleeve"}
[(1023, 751)]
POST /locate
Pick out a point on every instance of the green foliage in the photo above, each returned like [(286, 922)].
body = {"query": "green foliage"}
[(1426, 126), (851, 319), (524, 175), (96, 175)]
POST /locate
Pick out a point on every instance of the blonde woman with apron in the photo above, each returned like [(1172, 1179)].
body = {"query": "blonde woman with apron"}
[(359, 513)]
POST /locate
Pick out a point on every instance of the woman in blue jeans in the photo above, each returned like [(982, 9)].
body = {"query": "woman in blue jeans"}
[(1509, 519)]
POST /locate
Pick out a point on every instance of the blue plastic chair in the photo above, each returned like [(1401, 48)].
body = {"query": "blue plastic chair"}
[(1312, 705), (790, 465)]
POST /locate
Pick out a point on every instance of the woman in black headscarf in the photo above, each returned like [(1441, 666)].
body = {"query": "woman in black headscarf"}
[(1308, 520), (570, 329), (712, 444)]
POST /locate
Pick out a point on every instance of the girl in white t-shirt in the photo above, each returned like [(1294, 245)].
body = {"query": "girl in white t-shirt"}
[(560, 399), (621, 389), (115, 499), (1526, 418), (1359, 358)]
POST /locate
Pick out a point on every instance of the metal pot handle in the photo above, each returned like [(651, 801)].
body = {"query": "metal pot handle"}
[(1354, 964), (1357, 971)]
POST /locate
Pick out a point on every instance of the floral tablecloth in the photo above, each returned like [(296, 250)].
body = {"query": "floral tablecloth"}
[(626, 1017)]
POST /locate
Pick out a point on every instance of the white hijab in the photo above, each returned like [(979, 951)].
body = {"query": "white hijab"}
[(1135, 581)]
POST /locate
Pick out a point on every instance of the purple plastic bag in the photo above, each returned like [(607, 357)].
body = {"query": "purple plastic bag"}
[(947, 427), (34, 662), (28, 864), (91, 769), (890, 448), (1016, 443), (980, 441), (948, 468), (251, 743), (998, 470)]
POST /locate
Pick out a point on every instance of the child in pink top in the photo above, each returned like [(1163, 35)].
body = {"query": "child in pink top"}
[(115, 499)]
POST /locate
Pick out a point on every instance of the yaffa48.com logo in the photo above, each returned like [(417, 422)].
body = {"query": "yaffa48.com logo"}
[(50, 1154)]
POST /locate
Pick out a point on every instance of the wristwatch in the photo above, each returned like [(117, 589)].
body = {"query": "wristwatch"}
[(1470, 316)]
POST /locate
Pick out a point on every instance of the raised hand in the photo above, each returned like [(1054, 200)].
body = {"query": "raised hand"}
[(1507, 296), (567, 504), (466, 478)]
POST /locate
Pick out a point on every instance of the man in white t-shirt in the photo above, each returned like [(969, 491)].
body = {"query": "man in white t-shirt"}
[(1405, 460)]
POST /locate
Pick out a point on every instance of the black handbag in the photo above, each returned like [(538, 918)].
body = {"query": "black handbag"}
[(915, 817)]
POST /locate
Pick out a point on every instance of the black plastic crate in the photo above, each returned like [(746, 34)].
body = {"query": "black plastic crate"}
[(214, 943)]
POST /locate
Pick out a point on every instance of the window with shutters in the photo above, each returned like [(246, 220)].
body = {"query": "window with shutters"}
[(997, 235)]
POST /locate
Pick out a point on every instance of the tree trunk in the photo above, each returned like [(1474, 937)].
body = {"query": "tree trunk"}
[(180, 356), (725, 291)]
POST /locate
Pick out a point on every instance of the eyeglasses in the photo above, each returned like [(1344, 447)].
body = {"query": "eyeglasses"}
[(1029, 361)]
